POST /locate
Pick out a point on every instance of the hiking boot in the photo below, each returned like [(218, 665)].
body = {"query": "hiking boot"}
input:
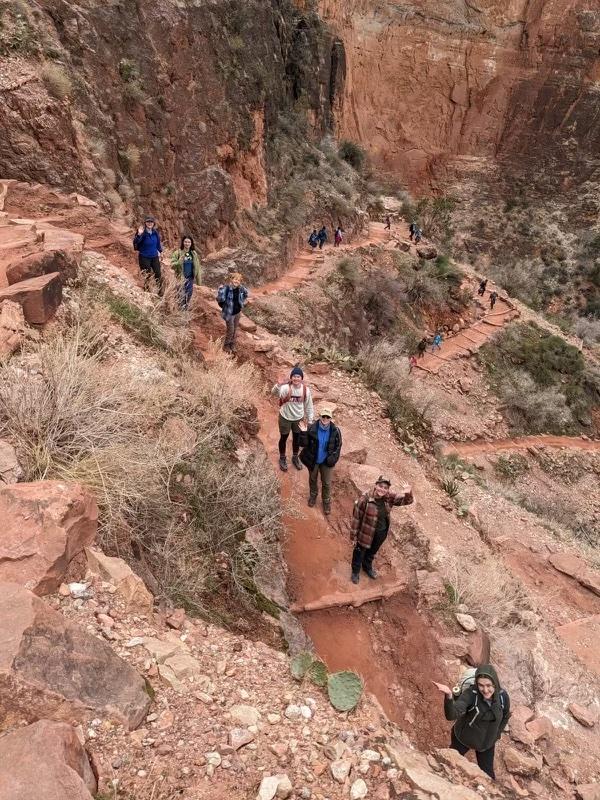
[(372, 573), (296, 461), (355, 577), (283, 463), (312, 501), (327, 506)]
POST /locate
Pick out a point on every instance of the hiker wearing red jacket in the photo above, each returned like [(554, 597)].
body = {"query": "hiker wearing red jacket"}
[(371, 524)]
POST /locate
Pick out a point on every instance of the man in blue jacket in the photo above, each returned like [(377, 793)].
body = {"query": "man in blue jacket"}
[(148, 246)]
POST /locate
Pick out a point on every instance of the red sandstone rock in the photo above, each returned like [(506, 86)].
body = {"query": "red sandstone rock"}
[(129, 585), (12, 327), (51, 668), (588, 791), (63, 261), (479, 648), (45, 760), (540, 728), (519, 763), (39, 297), (583, 715), (44, 526)]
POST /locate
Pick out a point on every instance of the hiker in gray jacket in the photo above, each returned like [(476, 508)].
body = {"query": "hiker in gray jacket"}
[(481, 713)]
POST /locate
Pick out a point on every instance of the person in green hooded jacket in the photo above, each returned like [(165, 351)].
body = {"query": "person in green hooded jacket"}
[(480, 714), (186, 264)]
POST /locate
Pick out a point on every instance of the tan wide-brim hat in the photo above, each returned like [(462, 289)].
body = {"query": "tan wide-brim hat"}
[(326, 411)]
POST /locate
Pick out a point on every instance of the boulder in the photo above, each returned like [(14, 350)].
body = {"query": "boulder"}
[(466, 622), (39, 297), (10, 469), (479, 648), (576, 568), (64, 262), (44, 526), (452, 758), (23, 238), (518, 763), (540, 728), (45, 760), (435, 785), (583, 715), (52, 668), (356, 456), (12, 327), (129, 585), (247, 325)]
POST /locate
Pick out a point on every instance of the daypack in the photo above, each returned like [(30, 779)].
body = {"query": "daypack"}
[(284, 400)]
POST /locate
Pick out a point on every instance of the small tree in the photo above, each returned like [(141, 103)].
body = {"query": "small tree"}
[(352, 153)]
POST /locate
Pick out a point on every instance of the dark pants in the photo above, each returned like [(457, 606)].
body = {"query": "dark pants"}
[(150, 267), (231, 325), (187, 289), (485, 758), (363, 556), (313, 481), (321, 243)]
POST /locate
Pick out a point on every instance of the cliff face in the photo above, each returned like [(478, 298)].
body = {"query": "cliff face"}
[(171, 107), (447, 87)]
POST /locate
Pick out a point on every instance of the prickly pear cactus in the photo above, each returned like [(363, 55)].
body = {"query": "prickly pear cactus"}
[(317, 673), (344, 689), (300, 664)]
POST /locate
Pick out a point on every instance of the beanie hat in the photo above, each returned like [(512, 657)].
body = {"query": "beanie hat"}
[(297, 371)]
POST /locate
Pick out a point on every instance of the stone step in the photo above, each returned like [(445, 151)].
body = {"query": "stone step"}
[(39, 297)]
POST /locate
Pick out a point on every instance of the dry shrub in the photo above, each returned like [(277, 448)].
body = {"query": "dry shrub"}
[(179, 506), (56, 80), (486, 588)]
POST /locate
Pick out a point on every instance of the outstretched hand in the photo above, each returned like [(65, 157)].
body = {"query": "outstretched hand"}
[(140, 230), (443, 688)]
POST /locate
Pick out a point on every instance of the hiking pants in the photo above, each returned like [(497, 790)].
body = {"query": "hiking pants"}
[(285, 426), (313, 481), (363, 556), (485, 758), (150, 267), (187, 290), (231, 331)]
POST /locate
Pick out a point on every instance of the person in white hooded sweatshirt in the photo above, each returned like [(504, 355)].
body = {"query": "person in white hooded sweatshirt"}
[(295, 403)]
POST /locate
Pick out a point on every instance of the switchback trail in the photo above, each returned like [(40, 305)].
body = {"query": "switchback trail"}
[(520, 443)]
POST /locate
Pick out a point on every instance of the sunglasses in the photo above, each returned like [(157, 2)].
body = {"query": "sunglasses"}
[(325, 416)]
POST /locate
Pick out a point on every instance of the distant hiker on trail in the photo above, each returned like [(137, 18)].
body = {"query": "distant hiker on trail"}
[(295, 403), (437, 341), (147, 244), (388, 223), (337, 238), (321, 454), (412, 362), (422, 347), (481, 712), (418, 235), (186, 264), (322, 236), (482, 287), (412, 229), (313, 239), (231, 297), (493, 298), (371, 524)]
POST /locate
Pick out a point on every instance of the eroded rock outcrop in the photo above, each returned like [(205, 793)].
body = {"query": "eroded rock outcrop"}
[(51, 668), (45, 524), (45, 760)]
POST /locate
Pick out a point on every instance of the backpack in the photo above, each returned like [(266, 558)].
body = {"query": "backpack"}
[(284, 400), (467, 681)]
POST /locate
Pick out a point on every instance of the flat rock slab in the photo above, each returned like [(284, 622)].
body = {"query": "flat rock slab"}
[(32, 266), (582, 636), (44, 526), (51, 668), (39, 297), (45, 760), (16, 237)]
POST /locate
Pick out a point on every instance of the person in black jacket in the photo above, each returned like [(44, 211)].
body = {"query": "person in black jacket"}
[(321, 454), (481, 713)]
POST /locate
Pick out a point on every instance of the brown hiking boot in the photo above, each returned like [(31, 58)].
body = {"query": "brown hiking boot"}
[(296, 461), (312, 501), (327, 506)]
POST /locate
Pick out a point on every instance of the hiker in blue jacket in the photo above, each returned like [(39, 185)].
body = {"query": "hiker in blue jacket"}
[(322, 237), (231, 297), (148, 246)]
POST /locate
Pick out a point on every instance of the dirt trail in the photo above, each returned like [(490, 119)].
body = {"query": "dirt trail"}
[(521, 443)]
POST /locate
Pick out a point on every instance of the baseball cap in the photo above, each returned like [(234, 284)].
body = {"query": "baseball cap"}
[(326, 412), (383, 479)]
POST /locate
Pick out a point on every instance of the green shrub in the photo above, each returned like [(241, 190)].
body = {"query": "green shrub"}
[(128, 70), (511, 467), (352, 153)]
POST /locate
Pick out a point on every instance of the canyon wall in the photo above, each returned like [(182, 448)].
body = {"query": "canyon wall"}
[(436, 88), (170, 107)]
